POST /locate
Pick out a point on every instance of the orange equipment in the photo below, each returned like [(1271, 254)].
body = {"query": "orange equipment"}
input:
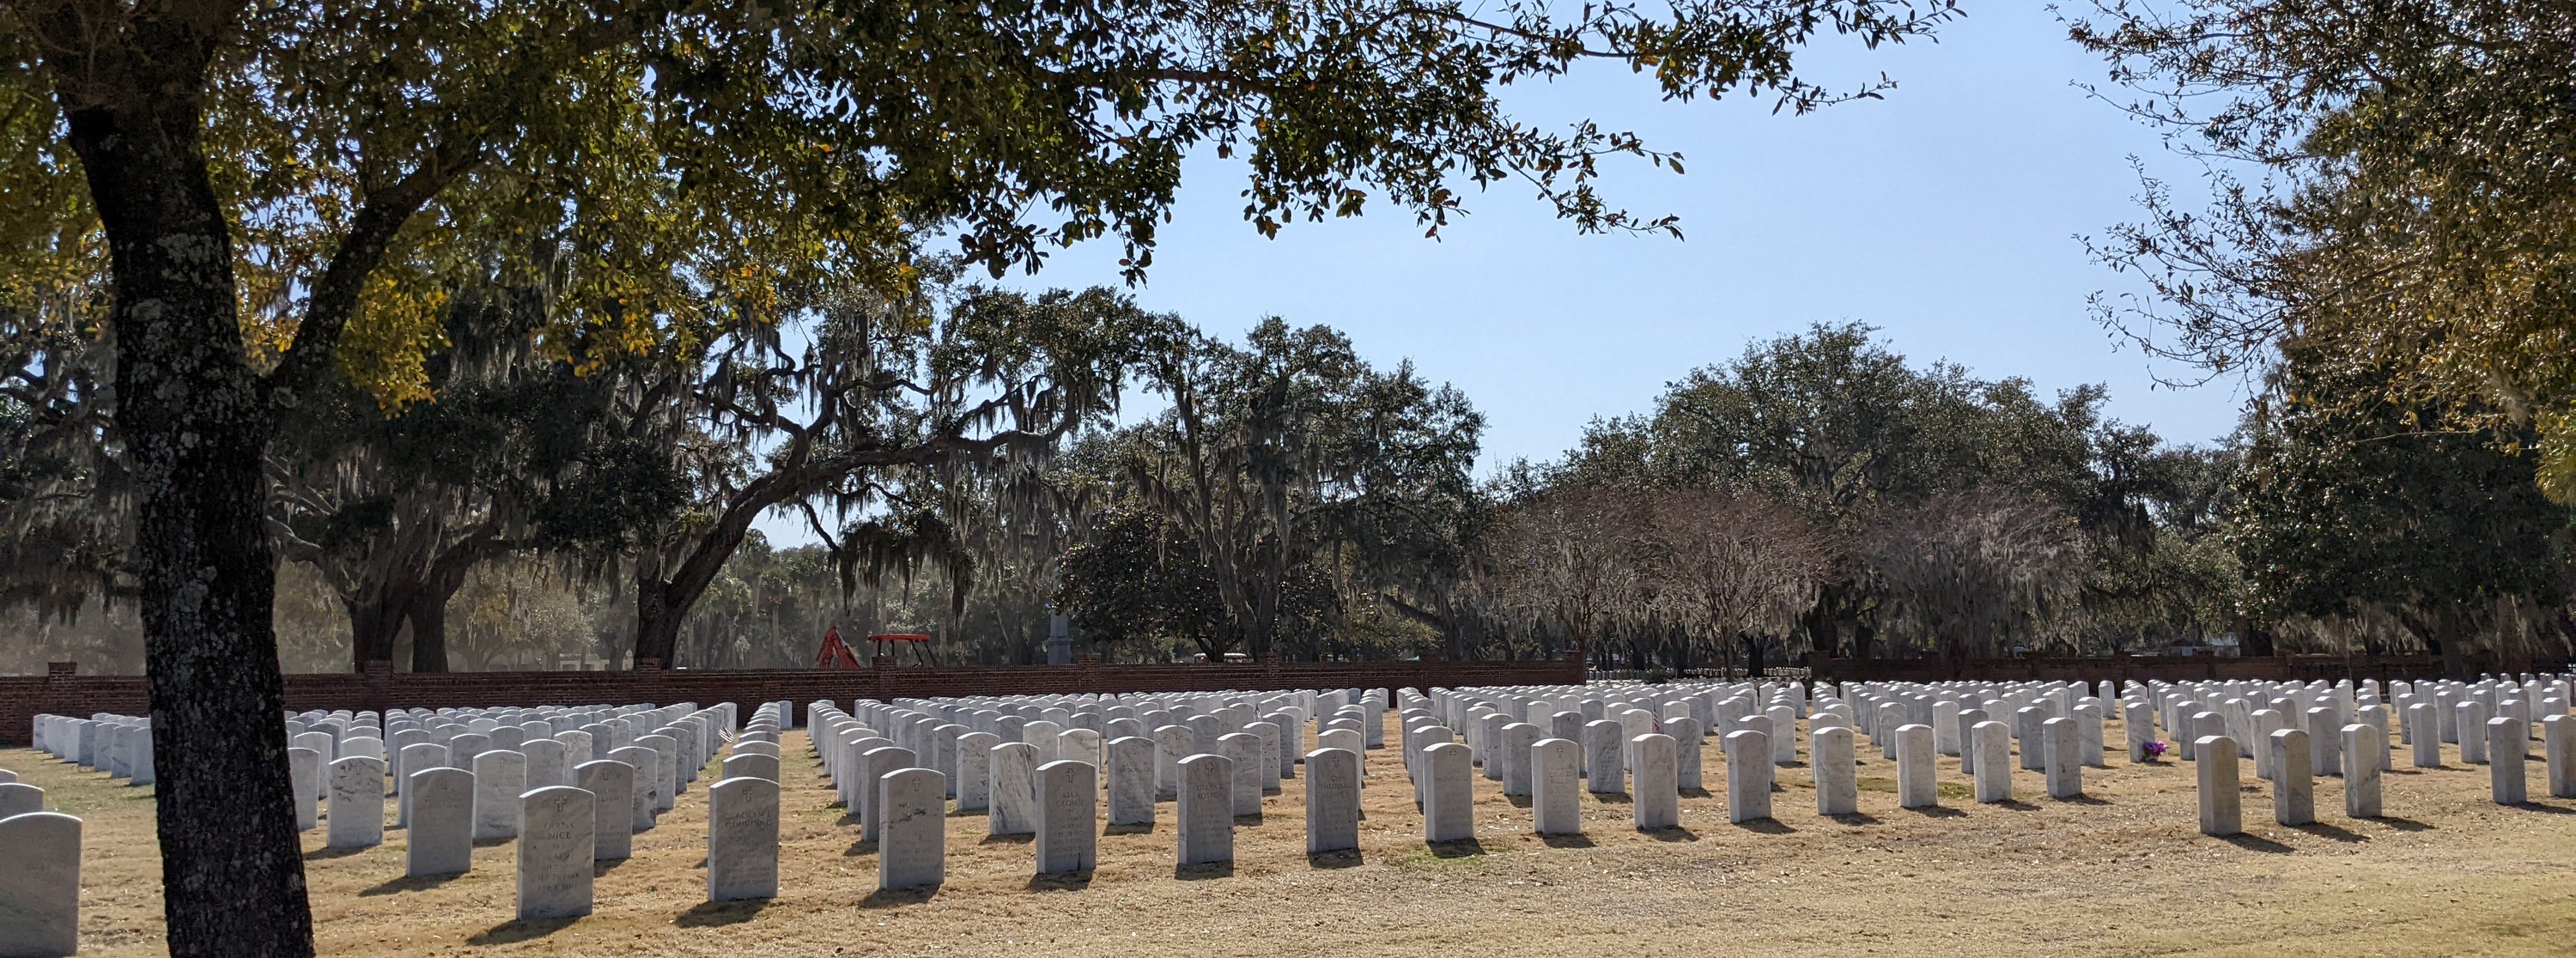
[(835, 655)]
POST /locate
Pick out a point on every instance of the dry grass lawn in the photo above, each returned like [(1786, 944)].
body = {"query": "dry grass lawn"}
[(2121, 872)]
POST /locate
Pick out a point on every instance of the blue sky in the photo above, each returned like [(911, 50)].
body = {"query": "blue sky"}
[(1945, 214)]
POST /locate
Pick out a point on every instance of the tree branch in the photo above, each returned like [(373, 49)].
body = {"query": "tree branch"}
[(461, 147)]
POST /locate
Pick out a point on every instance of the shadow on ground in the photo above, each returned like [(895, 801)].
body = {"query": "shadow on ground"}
[(516, 931), (713, 913)]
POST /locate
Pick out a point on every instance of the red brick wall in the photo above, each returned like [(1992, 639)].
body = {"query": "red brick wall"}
[(2278, 668), (21, 699)]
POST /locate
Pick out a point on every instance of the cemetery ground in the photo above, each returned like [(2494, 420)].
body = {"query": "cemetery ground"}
[(2123, 871)]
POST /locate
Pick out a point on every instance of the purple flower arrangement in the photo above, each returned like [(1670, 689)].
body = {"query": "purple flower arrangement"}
[(2154, 748)]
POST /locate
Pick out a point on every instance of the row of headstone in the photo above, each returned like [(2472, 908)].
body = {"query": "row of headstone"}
[(2247, 713), (2417, 714), (1040, 766), (1664, 757), (901, 805), (1606, 730), (1693, 710), (2294, 732), (1482, 716), (2057, 725), (2297, 732), (569, 786), (573, 784), (2288, 754), (742, 811), (120, 745), (1054, 794), (1647, 755)]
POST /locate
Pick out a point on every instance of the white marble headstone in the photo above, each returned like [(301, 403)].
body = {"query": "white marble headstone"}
[(557, 835)]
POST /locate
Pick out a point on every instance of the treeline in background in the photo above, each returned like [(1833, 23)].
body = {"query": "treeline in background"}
[(1820, 494), (576, 390)]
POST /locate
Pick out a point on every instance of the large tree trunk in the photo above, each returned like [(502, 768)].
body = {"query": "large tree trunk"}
[(195, 428), (428, 610), (657, 620), (2457, 637), (662, 602), (2252, 638), (657, 616), (1824, 629), (375, 623), (2444, 635), (428, 616)]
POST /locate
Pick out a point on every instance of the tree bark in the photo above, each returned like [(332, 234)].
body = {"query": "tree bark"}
[(428, 609), (2443, 635), (2252, 638), (662, 604), (2456, 636), (1824, 630), (195, 426), (657, 621), (428, 617), (375, 623)]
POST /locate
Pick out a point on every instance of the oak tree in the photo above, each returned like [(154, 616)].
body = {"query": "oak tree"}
[(281, 189)]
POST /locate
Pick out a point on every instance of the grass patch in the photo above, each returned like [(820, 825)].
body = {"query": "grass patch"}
[(1423, 858), (1943, 789)]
